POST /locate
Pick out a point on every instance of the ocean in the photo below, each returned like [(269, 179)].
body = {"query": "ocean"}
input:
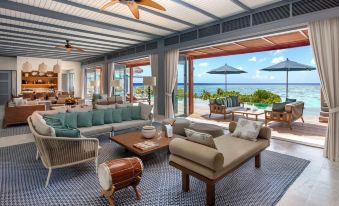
[(306, 92)]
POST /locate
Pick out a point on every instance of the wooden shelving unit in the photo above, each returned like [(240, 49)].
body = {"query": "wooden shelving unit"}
[(30, 81)]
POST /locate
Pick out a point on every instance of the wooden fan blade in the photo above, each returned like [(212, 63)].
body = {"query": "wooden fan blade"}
[(60, 46), (78, 49), (69, 50), (111, 3), (152, 4), (134, 9)]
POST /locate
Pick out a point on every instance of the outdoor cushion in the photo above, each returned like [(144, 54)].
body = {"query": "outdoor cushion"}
[(117, 115), (53, 120), (228, 102), (135, 112), (145, 110), (40, 125), (98, 117), (247, 129), (130, 124), (278, 107), (290, 100), (71, 120), (108, 116), (95, 130), (85, 119), (218, 101), (200, 138), (66, 132), (235, 101)]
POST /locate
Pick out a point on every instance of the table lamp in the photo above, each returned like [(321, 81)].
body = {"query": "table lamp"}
[(149, 81)]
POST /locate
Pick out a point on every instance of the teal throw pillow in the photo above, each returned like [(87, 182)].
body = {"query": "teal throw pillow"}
[(98, 117), (117, 115), (229, 102), (71, 120), (126, 113), (290, 100), (108, 116), (67, 132), (85, 119), (278, 107), (218, 101), (135, 112), (55, 120), (235, 101)]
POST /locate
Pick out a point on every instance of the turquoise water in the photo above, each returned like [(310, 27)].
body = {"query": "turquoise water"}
[(308, 93)]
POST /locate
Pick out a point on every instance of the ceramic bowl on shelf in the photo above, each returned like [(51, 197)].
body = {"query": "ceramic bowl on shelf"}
[(41, 74), (34, 73), (49, 75), (148, 132)]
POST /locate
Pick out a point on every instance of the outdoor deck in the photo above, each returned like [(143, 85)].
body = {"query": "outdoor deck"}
[(312, 132)]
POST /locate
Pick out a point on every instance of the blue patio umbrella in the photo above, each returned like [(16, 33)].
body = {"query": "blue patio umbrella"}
[(288, 66), (226, 69)]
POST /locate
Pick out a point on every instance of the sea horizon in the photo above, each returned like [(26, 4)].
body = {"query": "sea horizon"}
[(311, 84)]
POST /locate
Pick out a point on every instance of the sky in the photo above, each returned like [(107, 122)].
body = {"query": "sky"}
[(252, 63)]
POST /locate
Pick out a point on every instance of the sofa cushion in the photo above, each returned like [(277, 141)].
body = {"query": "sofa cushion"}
[(218, 101), (265, 132), (55, 120), (200, 138), (278, 107), (108, 116), (56, 110), (96, 130), (71, 120), (235, 101), (130, 124), (135, 112), (98, 117), (40, 125), (117, 115), (98, 106), (145, 110), (126, 113), (247, 129), (67, 132), (85, 119)]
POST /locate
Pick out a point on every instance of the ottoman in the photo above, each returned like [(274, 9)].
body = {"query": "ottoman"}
[(179, 125), (211, 129)]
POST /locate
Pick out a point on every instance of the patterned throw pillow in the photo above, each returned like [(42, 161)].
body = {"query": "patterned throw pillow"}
[(200, 138), (247, 129), (146, 110)]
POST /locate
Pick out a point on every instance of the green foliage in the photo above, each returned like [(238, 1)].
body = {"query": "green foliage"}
[(259, 96)]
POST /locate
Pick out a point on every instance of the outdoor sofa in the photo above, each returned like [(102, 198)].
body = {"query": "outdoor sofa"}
[(292, 111), (58, 152), (211, 165), (224, 105)]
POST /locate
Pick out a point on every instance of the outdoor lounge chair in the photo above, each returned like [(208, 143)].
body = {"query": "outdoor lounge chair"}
[(221, 108), (293, 111)]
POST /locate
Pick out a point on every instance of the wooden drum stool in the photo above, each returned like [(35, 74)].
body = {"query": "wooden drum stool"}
[(120, 173)]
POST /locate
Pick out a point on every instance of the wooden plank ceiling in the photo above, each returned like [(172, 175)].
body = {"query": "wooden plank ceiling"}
[(266, 43)]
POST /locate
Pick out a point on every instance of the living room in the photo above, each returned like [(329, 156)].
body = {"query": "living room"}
[(84, 122)]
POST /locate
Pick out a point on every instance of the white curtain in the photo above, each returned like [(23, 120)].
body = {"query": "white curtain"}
[(82, 83), (154, 68), (171, 71), (324, 37), (109, 79)]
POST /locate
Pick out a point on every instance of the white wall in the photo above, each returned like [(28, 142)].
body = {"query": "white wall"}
[(74, 67), (8, 63)]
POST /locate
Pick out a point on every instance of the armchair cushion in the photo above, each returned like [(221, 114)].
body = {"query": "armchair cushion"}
[(290, 100), (247, 129), (200, 138), (41, 126), (55, 120), (278, 107), (85, 119), (67, 132), (265, 132)]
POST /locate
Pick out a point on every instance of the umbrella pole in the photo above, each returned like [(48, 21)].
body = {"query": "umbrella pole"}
[(286, 84), (225, 82)]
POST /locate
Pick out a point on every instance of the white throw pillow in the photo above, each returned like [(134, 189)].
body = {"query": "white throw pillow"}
[(200, 138), (145, 110), (40, 125), (80, 109), (247, 129)]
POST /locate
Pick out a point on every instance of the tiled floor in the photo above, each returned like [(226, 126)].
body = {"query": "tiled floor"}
[(317, 185)]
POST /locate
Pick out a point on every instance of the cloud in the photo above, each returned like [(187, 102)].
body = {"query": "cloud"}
[(278, 59), (279, 51), (259, 76), (203, 64), (262, 59), (202, 74), (241, 68), (253, 59), (313, 61)]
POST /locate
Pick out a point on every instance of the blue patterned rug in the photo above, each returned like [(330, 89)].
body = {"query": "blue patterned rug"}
[(22, 181)]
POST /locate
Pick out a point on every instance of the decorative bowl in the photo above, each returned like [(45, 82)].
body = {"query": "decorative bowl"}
[(34, 73), (49, 75), (148, 132), (41, 74)]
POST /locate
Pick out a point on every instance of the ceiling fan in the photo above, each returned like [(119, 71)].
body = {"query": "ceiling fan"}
[(68, 47), (133, 5)]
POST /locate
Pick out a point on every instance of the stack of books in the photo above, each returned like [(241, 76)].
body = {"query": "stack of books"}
[(146, 145)]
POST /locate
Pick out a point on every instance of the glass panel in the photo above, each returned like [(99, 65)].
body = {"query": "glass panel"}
[(140, 92), (120, 74), (71, 83), (93, 82), (180, 91)]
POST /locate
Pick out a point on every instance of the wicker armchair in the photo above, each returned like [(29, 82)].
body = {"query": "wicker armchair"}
[(62, 151), (222, 109), (293, 111)]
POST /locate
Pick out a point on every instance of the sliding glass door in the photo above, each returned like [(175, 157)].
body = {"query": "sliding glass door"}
[(93, 82), (181, 88)]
